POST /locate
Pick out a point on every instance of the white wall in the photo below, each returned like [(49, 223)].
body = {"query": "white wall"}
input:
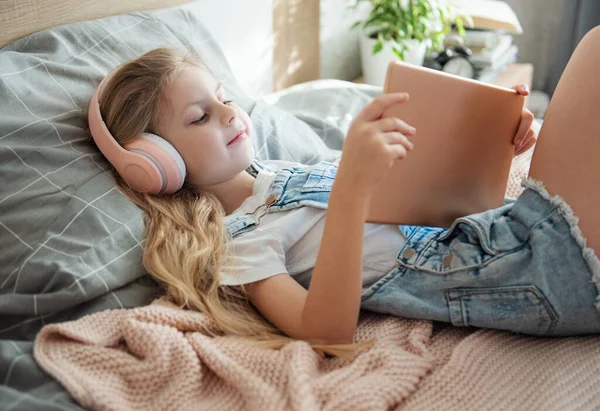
[(339, 54), (244, 30)]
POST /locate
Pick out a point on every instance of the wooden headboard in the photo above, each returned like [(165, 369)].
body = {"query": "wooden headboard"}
[(296, 27)]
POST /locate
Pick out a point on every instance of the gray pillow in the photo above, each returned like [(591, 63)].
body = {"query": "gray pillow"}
[(71, 242)]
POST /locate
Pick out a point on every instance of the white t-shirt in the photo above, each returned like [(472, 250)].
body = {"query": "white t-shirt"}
[(288, 242)]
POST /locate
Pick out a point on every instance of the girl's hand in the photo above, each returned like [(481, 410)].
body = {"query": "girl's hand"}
[(373, 144), (526, 136)]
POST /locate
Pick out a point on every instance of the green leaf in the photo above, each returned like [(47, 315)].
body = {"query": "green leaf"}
[(442, 13), (377, 47), (460, 26), (421, 19), (398, 53)]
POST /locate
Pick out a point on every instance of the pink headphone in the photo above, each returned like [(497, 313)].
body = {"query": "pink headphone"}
[(148, 164)]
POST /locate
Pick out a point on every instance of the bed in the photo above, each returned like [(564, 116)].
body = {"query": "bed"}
[(71, 243)]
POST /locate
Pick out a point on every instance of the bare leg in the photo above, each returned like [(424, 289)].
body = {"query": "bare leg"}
[(567, 155)]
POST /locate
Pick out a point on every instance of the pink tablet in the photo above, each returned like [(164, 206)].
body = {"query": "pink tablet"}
[(463, 148)]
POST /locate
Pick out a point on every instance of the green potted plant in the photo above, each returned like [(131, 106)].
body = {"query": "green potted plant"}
[(402, 29)]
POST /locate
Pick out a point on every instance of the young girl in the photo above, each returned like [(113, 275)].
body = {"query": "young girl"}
[(246, 241)]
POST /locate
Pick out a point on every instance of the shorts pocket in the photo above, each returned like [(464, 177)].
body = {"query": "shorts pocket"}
[(444, 251), (494, 229), (522, 309)]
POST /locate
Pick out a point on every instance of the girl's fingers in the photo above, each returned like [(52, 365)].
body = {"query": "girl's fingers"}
[(375, 109), (390, 124), (530, 140), (396, 138), (521, 89), (529, 144), (524, 127), (398, 150)]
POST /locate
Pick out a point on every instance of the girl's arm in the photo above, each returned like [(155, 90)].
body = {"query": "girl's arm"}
[(328, 311), (333, 302)]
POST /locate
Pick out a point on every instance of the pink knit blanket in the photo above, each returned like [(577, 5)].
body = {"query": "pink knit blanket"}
[(155, 358)]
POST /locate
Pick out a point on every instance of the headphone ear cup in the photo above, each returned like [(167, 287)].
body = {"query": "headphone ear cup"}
[(167, 160), (179, 165)]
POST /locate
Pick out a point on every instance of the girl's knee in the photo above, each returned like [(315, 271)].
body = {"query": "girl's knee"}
[(595, 32), (591, 39), (586, 56)]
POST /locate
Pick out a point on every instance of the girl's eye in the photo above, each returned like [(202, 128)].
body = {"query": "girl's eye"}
[(205, 116), (201, 119)]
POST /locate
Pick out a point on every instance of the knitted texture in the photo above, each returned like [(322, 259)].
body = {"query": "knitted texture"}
[(157, 357), (518, 171), (519, 168)]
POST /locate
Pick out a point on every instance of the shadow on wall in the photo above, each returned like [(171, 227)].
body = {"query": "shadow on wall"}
[(579, 17), (552, 30), (296, 44)]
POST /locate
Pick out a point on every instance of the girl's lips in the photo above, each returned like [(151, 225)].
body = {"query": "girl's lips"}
[(238, 138)]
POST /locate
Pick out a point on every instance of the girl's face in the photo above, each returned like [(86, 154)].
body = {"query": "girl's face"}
[(213, 135)]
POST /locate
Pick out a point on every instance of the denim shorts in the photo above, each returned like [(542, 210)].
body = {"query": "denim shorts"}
[(523, 267)]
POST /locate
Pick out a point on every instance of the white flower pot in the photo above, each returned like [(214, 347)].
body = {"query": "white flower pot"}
[(375, 66)]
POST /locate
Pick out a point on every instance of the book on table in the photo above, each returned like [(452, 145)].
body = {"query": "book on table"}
[(494, 52), (490, 15)]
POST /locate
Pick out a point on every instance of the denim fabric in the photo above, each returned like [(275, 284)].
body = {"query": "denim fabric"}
[(521, 267), (294, 186)]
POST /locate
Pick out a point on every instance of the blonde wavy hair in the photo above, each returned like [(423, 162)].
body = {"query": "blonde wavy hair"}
[(186, 241)]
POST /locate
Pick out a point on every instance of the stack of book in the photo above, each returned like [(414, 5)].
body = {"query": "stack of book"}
[(491, 37)]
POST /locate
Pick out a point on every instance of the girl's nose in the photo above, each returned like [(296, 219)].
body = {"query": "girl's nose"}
[(228, 116)]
